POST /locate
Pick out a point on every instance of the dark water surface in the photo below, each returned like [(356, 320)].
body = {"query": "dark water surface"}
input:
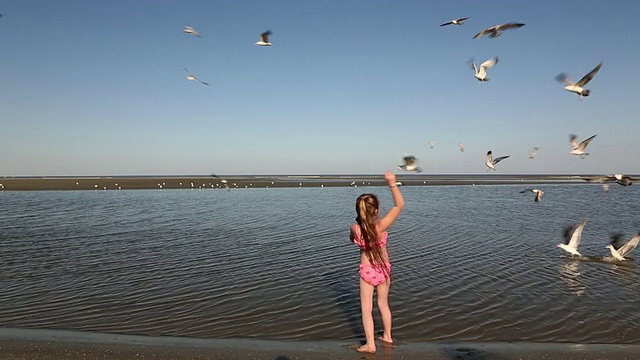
[(471, 263)]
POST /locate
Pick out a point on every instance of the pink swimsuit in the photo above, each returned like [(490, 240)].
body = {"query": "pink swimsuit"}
[(374, 274)]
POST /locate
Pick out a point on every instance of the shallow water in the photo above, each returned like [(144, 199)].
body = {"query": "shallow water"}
[(471, 263)]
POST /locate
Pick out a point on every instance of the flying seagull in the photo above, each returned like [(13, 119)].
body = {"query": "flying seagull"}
[(491, 162), (572, 236), (621, 179), (579, 149), (461, 147), (190, 30), (538, 193), (481, 73), (578, 87), (432, 143), (533, 153), (409, 164), (496, 30), (625, 249), (458, 21), (264, 39), (191, 77)]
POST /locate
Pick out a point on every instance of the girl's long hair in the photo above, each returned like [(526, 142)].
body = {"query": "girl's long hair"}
[(367, 209)]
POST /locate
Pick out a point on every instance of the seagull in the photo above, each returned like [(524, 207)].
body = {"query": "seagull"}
[(625, 249), (496, 30), (264, 39), (538, 193), (432, 144), (461, 147), (191, 77), (578, 87), (491, 162), (398, 183), (623, 179), (481, 73), (409, 164), (458, 21), (572, 236), (533, 153), (579, 149), (190, 30)]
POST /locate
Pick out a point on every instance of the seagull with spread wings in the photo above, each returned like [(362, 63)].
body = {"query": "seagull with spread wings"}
[(481, 73), (491, 162), (533, 153), (538, 193), (624, 250), (190, 30), (572, 235), (579, 149), (409, 164), (264, 39), (578, 87), (458, 21), (192, 78), (497, 30)]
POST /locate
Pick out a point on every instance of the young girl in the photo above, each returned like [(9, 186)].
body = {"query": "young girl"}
[(370, 234)]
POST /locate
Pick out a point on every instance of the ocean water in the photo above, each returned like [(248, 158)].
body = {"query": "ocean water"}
[(470, 263)]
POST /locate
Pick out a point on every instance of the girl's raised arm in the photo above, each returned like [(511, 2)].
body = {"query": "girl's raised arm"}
[(385, 222)]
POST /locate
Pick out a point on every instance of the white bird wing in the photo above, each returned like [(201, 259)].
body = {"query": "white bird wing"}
[(585, 142), (489, 63), (509, 26), (572, 140), (589, 76), (447, 23), (577, 234), (564, 78), (630, 246), (485, 31), (472, 64)]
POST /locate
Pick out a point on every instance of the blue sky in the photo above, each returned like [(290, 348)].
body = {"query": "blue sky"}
[(98, 87)]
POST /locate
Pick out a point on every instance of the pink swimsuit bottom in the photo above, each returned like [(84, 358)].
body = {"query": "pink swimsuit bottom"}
[(374, 274)]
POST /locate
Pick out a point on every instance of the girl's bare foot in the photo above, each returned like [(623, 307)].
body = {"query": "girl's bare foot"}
[(386, 340), (366, 349)]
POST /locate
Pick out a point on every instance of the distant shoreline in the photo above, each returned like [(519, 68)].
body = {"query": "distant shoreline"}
[(271, 181)]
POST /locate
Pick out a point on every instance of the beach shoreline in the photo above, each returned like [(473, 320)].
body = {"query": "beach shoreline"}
[(271, 181), (76, 345)]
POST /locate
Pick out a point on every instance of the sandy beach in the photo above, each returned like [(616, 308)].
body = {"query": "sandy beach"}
[(58, 344), (234, 181)]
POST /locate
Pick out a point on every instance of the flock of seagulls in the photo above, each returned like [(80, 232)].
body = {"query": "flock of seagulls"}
[(188, 29), (480, 73), (573, 233)]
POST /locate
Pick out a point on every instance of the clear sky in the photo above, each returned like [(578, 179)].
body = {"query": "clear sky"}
[(349, 87)]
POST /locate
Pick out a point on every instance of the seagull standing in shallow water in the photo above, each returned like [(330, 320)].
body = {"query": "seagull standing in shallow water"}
[(264, 39), (579, 149), (491, 162), (625, 249), (409, 164), (578, 87), (481, 73), (458, 21), (572, 237), (496, 30), (190, 30)]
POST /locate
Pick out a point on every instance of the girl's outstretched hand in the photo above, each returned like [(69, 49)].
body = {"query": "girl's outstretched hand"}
[(390, 177)]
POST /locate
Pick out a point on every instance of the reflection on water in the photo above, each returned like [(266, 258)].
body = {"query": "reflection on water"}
[(570, 275), (470, 263)]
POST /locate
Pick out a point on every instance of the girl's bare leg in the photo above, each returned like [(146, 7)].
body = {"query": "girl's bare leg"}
[(366, 305), (385, 311)]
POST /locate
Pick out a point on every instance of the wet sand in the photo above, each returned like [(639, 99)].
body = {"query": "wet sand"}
[(208, 182), (59, 344)]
